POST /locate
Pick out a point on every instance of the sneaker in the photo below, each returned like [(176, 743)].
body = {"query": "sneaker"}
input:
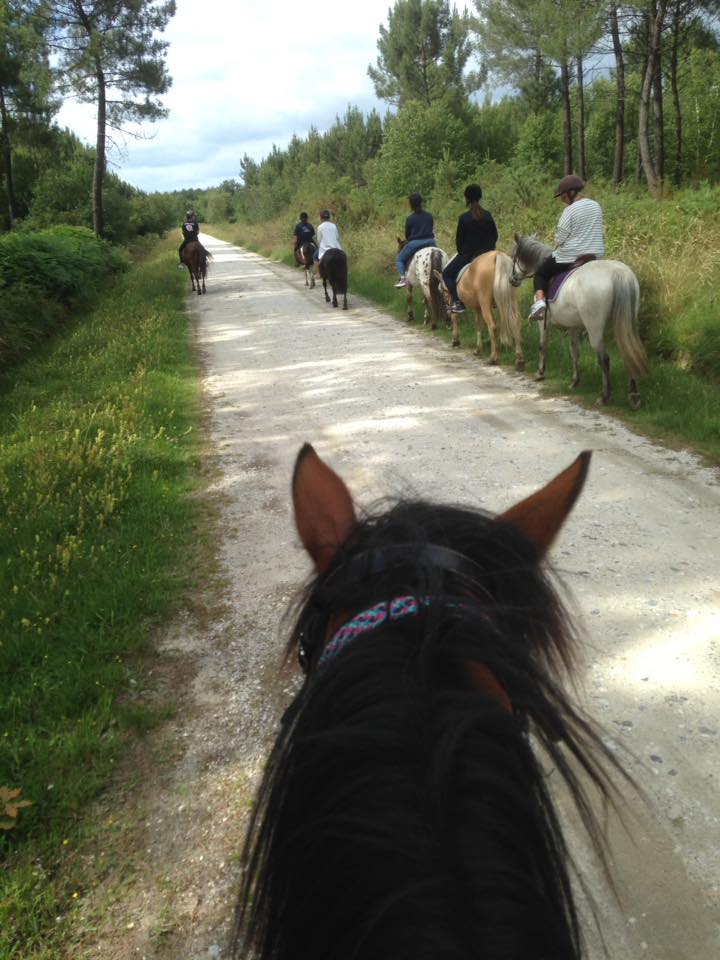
[(537, 308), (181, 266), (458, 307), (402, 282)]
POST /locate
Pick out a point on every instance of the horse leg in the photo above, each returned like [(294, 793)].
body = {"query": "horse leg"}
[(517, 332), (604, 361), (192, 277), (540, 375), (479, 333), (345, 301), (487, 316), (334, 299), (634, 398), (409, 298), (575, 357), (327, 298), (428, 314), (455, 323)]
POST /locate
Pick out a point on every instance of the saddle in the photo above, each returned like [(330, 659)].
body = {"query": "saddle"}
[(559, 279)]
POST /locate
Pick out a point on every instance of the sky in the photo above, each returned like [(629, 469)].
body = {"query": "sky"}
[(246, 74)]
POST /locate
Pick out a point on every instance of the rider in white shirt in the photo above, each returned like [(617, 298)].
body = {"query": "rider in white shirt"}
[(328, 238)]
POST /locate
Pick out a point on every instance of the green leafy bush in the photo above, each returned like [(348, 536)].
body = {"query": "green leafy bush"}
[(44, 275)]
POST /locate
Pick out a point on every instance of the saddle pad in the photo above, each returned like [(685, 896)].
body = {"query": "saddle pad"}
[(556, 282)]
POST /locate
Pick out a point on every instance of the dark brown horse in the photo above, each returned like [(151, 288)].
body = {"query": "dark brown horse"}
[(195, 257), (334, 270)]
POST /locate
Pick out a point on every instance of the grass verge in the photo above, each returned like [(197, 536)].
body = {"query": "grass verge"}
[(680, 407), (99, 459)]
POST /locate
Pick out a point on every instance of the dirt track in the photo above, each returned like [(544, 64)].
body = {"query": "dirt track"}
[(394, 410)]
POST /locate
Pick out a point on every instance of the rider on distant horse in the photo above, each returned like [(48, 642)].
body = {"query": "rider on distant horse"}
[(476, 234), (190, 231), (304, 233), (579, 233), (418, 234), (328, 238)]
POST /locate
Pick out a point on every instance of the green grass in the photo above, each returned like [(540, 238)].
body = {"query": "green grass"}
[(99, 456), (681, 396)]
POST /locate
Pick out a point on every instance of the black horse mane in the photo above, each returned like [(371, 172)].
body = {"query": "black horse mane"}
[(403, 813)]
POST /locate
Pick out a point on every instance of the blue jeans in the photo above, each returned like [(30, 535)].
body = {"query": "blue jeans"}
[(403, 258)]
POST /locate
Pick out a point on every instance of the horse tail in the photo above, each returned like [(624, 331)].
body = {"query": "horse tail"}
[(438, 307), (625, 305), (505, 297)]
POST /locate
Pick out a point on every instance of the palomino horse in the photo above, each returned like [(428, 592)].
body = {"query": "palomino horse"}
[(406, 809), (592, 296), (305, 257), (422, 272), (334, 271), (195, 257), (487, 281)]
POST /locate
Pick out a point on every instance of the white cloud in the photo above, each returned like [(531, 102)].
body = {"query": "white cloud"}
[(247, 74)]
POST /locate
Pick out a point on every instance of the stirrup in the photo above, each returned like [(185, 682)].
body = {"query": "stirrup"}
[(537, 308)]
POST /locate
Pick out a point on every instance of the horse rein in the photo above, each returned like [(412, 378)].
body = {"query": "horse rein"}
[(515, 278)]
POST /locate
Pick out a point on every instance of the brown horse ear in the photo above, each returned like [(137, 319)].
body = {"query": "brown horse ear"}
[(541, 515), (324, 511)]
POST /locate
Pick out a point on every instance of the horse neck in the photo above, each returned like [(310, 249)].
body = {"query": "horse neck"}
[(533, 252)]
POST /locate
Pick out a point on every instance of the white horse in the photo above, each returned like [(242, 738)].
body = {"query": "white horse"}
[(592, 296), (422, 273), (481, 285)]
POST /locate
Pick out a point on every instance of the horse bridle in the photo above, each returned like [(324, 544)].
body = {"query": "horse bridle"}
[(515, 278)]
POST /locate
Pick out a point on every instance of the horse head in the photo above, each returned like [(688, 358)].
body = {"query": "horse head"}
[(403, 804)]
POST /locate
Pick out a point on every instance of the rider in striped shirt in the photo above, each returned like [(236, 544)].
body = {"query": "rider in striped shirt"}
[(579, 233)]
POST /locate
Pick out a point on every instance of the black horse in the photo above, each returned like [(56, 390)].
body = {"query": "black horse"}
[(405, 812), (334, 270)]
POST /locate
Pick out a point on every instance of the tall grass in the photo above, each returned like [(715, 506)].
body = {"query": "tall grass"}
[(672, 245), (99, 453)]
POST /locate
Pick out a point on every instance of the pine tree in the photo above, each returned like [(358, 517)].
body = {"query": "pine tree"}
[(111, 56)]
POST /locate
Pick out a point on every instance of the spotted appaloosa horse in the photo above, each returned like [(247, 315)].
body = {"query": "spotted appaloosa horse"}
[(195, 257), (305, 256), (421, 272), (408, 806), (486, 282)]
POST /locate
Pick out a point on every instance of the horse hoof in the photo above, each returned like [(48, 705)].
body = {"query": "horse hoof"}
[(520, 365), (456, 343), (433, 326), (635, 401), (492, 363), (539, 377), (574, 384)]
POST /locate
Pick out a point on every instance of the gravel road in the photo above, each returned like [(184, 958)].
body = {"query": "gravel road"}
[(396, 411)]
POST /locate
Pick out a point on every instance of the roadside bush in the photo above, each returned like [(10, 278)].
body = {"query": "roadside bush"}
[(43, 276)]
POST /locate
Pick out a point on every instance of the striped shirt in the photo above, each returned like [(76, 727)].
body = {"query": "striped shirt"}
[(580, 231)]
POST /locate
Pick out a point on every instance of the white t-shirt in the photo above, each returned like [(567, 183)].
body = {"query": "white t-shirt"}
[(328, 238), (580, 231)]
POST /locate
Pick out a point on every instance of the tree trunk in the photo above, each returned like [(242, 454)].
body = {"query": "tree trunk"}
[(582, 160), (656, 15), (99, 171), (674, 50), (619, 161), (567, 117), (7, 161), (659, 110)]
